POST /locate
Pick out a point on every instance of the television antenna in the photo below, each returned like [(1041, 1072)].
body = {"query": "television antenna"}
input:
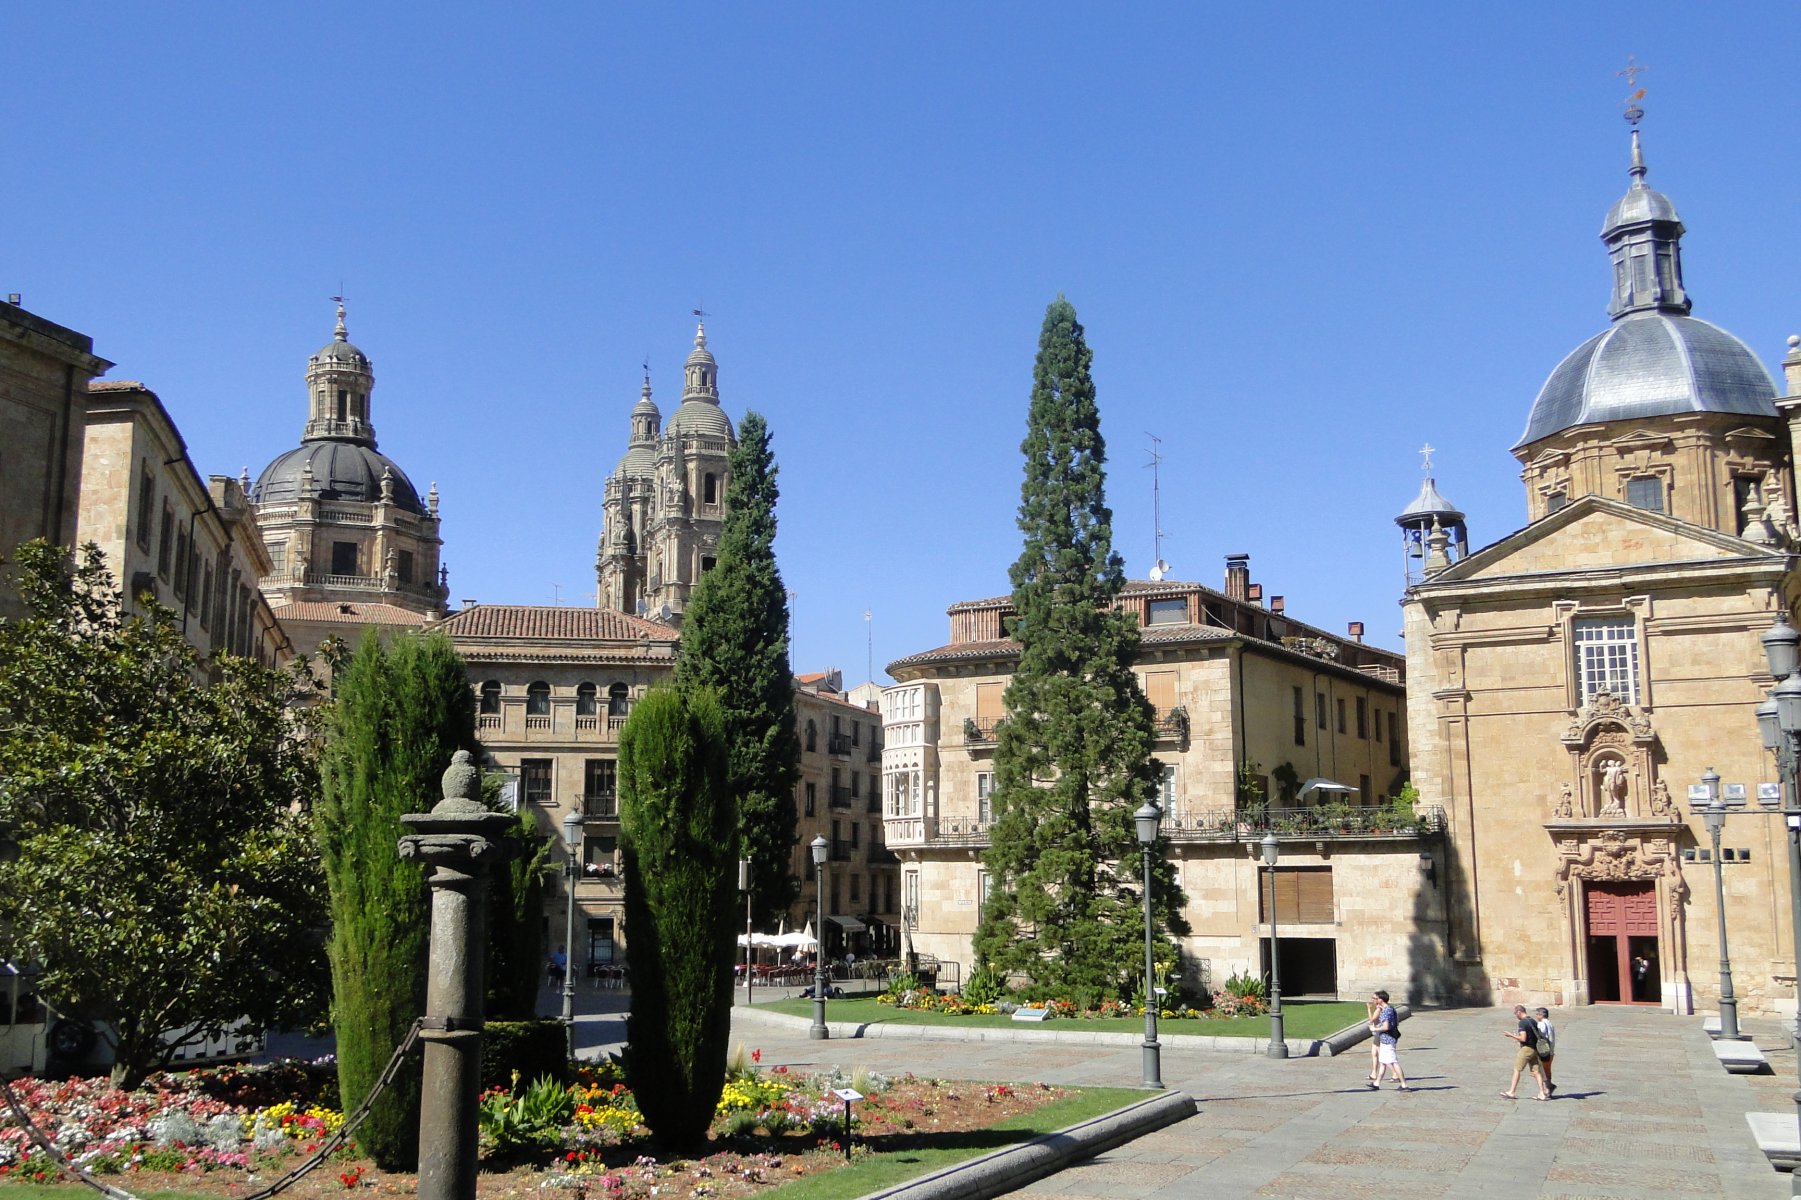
[(1160, 568), (869, 645)]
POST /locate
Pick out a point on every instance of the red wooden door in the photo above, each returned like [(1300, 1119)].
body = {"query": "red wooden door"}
[(1620, 915)]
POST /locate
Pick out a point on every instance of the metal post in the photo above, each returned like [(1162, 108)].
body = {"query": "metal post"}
[(1153, 1052), (1278, 1046), (1716, 822), (569, 958), (1788, 760), (818, 1030), (744, 886)]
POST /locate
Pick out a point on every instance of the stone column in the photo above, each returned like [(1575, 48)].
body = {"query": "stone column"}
[(458, 840)]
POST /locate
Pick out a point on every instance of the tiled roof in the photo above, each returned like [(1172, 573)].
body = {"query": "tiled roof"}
[(1133, 587), (958, 651), (116, 385), (553, 623), (339, 613)]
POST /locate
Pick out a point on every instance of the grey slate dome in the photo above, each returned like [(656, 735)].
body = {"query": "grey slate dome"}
[(699, 418), (1651, 364), (341, 471)]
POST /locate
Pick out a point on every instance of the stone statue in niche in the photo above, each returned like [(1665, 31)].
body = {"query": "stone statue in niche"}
[(1613, 788), (1661, 804), (1566, 805)]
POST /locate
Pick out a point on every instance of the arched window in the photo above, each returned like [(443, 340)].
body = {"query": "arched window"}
[(812, 736), (490, 698), (587, 702), (537, 700), (710, 489), (619, 700)]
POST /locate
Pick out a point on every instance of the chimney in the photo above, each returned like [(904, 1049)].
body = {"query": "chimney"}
[(1254, 592), (1357, 632), (1276, 604), (1238, 576)]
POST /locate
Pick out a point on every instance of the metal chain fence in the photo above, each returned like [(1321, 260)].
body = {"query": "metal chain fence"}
[(330, 1146)]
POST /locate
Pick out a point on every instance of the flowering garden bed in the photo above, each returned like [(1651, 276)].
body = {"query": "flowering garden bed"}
[(1301, 1019), (225, 1134)]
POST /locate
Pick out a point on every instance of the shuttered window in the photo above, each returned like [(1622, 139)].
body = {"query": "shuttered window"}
[(1303, 896), (1160, 690), (989, 708)]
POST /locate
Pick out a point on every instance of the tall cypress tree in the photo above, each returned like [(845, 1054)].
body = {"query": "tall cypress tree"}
[(679, 847), (735, 641), (1072, 758), (400, 711)]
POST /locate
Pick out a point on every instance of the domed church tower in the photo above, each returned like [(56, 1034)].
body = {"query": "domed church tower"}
[(345, 527), (1664, 411), (665, 502)]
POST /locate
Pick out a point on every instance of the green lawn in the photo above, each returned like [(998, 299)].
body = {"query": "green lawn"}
[(886, 1170), (1300, 1019)]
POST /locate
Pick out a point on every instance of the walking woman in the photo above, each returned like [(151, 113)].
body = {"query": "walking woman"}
[(1386, 1026), (1547, 1037)]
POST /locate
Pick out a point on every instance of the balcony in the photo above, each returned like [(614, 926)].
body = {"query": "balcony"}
[(838, 796), (875, 752), (602, 806), (1170, 725), (935, 831), (838, 745), (1348, 821), (980, 732), (841, 852)]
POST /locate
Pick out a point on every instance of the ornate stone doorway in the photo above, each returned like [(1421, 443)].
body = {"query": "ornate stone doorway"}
[(1624, 966)]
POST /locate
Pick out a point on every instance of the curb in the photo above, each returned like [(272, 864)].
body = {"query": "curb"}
[(1335, 1044), (1005, 1170), (846, 1031)]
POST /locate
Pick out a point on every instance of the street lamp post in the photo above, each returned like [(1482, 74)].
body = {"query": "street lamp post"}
[(744, 886), (1147, 818), (572, 842), (1278, 1047), (818, 1031), (1779, 721), (1714, 815)]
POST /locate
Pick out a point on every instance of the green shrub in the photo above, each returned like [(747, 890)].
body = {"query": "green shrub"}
[(524, 1049), (985, 986), (1245, 986), (523, 1121), (904, 982)]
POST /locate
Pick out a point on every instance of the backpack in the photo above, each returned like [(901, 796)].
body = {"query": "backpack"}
[(1543, 1046)]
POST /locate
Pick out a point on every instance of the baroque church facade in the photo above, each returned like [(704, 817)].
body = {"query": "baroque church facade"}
[(1571, 682)]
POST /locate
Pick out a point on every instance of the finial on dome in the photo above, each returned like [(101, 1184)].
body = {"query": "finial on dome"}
[(341, 333), (700, 330)]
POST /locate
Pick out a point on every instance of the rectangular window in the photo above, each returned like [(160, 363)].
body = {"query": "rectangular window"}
[(856, 890), (1606, 658), (535, 774), (1363, 718), (1646, 492), (910, 899), (1377, 730), (1168, 612), (856, 834), (1160, 690), (1341, 715), (1394, 741), (989, 708), (146, 508), (984, 792), (600, 787), (405, 566), (1319, 709), (165, 545), (812, 794), (856, 733), (834, 910), (1166, 790), (1364, 795), (600, 939), (1300, 719), (181, 562), (984, 889), (1303, 896), (278, 559), (206, 599), (343, 558)]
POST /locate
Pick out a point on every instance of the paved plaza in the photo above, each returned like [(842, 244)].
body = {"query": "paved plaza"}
[(1642, 1110)]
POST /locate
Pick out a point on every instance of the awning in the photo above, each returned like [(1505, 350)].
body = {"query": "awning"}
[(890, 922), (848, 924)]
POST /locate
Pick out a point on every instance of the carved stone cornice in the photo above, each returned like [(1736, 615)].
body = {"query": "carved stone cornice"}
[(1607, 709)]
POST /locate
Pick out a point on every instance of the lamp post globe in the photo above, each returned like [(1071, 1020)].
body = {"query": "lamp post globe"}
[(572, 843), (1782, 647), (818, 1030), (1147, 818), (1278, 1045)]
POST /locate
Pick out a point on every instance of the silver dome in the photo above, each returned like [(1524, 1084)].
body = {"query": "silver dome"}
[(639, 462), (699, 418), (1651, 364), (341, 471)]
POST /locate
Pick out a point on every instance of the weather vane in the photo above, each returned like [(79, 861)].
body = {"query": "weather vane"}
[(1634, 114), (1426, 458)]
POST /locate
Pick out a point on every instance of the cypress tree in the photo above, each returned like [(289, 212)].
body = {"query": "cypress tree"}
[(1072, 759), (735, 641), (679, 847), (400, 711)]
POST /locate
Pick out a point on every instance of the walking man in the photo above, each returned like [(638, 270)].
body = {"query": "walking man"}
[(1386, 1026), (1547, 1040), (1525, 1057)]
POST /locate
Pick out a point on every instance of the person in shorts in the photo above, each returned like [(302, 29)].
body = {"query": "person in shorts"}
[(1386, 1028), (1525, 1057), (1547, 1033)]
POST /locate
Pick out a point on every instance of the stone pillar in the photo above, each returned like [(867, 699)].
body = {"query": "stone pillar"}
[(458, 840)]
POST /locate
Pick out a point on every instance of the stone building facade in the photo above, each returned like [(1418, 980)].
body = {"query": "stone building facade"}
[(1251, 706), (664, 504), (351, 542), (1572, 680), (190, 544), (44, 374)]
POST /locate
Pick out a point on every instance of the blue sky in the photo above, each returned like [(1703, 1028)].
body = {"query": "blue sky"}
[(1304, 239)]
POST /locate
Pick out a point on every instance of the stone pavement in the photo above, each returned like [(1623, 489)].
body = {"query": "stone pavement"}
[(1643, 1110)]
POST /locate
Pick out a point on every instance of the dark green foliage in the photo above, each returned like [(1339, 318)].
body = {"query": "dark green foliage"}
[(526, 1049), (165, 878), (516, 927), (735, 641), (1072, 758), (679, 846), (401, 709)]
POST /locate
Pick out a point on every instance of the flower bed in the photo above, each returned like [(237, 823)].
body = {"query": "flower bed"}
[(1225, 1005), (582, 1140)]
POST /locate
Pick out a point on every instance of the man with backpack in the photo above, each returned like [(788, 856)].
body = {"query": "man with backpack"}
[(1386, 1028), (1525, 1032)]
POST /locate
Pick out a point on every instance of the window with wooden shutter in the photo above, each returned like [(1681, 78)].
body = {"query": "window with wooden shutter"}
[(989, 708), (1160, 690), (1303, 896)]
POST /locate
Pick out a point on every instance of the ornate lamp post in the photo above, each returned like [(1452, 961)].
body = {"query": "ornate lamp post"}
[(1147, 818), (572, 842), (744, 886), (1715, 817), (1278, 1047), (1779, 721), (818, 1031)]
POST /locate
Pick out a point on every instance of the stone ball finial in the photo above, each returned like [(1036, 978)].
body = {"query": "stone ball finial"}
[(461, 780)]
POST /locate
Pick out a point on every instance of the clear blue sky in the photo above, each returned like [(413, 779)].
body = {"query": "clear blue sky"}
[(1304, 239)]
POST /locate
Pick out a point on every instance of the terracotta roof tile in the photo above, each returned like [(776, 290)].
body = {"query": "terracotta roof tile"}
[(336, 612), (553, 623)]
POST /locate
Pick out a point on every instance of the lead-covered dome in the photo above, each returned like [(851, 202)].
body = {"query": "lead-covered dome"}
[(341, 471), (1651, 364)]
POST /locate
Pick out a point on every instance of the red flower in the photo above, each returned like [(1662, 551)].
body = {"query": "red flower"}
[(756, 1056)]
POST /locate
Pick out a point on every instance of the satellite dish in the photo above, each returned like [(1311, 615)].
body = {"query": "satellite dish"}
[(642, 606), (1160, 571), (665, 612)]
